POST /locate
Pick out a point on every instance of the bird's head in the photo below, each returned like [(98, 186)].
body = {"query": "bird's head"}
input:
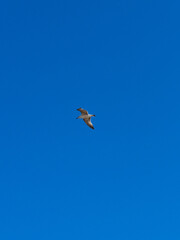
[(93, 115)]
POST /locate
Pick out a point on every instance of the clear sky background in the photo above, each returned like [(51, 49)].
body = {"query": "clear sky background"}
[(60, 179)]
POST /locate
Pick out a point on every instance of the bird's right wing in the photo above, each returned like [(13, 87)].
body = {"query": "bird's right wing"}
[(89, 123), (83, 112)]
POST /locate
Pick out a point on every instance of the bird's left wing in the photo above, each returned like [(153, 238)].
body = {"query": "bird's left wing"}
[(83, 112)]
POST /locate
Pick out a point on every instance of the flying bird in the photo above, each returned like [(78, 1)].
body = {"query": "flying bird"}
[(86, 117)]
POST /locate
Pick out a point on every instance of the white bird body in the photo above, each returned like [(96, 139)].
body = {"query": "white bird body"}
[(86, 117)]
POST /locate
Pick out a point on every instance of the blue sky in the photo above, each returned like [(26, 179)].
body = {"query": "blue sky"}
[(60, 179)]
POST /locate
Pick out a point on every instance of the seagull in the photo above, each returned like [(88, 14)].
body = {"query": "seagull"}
[(86, 117)]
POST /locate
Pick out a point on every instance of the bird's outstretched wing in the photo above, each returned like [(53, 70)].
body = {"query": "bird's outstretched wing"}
[(89, 123), (83, 112)]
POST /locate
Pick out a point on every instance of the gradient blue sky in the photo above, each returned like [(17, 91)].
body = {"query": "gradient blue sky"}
[(58, 178)]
